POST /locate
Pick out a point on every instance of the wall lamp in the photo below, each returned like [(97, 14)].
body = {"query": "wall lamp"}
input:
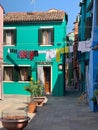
[(60, 67)]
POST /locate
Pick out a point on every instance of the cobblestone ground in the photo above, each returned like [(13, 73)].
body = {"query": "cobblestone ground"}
[(60, 113)]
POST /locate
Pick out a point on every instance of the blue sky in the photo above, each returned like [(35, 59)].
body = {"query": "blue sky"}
[(71, 7)]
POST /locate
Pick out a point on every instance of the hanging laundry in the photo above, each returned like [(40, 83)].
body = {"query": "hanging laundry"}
[(18, 54), (48, 55), (28, 54), (66, 49), (70, 48), (35, 53), (24, 54), (52, 54), (31, 55), (41, 52), (57, 55), (62, 50), (21, 54)]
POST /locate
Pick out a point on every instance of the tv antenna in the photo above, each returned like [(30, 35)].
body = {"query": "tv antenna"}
[(33, 2)]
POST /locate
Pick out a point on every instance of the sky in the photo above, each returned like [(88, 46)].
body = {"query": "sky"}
[(71, 7)]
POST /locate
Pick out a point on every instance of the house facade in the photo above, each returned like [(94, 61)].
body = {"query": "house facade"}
[(93, 65), (69, 59), (75, 58), (84, 41), (89, 42), (1, 49), (34, 46)]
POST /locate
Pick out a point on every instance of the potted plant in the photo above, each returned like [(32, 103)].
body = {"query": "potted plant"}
[(96, 95), (36, 90)]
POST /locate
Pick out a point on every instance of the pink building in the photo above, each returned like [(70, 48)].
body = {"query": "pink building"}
[(1, 49)]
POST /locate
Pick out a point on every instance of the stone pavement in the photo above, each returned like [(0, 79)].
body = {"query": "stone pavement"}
[(59, 113)]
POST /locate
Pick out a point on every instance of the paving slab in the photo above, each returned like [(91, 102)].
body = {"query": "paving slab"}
[(59, 113)]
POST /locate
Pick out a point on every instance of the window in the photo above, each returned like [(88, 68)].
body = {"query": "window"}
[(9, 36), (88, 28), (8, 74), (16, 73), (24, 75), (46, 36)]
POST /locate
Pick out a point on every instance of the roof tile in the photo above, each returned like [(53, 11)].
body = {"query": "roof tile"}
[(50, 15)]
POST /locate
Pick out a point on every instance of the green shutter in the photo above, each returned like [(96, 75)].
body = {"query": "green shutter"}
[(4, 37), (14, 37), (52, 36), (40, 36), (16, 74)]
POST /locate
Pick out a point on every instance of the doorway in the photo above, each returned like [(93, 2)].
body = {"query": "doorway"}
[(47, 79)]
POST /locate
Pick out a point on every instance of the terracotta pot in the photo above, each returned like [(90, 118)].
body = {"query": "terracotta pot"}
[(32, 107), (39, 100), (14, 122)]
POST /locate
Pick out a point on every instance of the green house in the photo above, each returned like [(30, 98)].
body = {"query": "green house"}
[(34, 46)]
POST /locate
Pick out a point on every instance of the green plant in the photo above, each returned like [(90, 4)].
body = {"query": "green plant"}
[(34, 88), (96, 93), (94, 99)]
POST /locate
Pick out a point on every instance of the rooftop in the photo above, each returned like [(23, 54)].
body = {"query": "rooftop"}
[(51, 15)]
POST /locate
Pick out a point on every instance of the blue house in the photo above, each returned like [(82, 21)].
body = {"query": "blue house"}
[(88, 31), (84, 37), (93, 64)]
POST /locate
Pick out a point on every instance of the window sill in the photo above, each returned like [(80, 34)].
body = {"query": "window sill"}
[(17, 81), (23, 81), (8, 81), (9, 45), (46, 45)]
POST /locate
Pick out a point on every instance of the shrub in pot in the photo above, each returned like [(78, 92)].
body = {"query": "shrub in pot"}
[(36, 90)]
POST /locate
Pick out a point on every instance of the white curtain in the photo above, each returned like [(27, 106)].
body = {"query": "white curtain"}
[(40, 74), (8, 38)]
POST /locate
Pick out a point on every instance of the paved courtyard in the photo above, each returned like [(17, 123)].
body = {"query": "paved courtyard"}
[(59, 113)]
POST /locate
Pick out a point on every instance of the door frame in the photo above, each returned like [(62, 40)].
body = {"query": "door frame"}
[(50, 73)]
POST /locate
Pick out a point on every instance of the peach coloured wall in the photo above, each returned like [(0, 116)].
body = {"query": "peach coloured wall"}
[(1, 31), (1, 52)]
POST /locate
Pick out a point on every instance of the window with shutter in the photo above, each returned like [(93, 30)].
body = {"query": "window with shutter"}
[(46, 36), (8, 74), (15, 73), (9, 37), (88, 28), (24, 74)]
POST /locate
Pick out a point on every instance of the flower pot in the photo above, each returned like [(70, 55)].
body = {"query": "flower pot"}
[(32, 107), (14, 122), (39, 100)]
